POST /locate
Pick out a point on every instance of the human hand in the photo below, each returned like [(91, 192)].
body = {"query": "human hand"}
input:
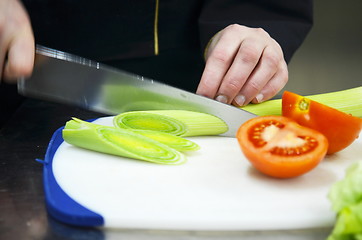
[(243, 65), (17, 47)]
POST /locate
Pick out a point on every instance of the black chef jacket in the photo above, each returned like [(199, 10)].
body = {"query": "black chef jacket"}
[(161, 39)]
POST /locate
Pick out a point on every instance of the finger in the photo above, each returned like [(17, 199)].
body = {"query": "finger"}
[(4, 42), (278, 81), (2, 56), (262, 74), (21, 52), (242, 67), (217, 65)]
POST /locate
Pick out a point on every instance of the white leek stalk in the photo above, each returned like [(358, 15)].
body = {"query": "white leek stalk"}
[(120, 142), (176, 142)]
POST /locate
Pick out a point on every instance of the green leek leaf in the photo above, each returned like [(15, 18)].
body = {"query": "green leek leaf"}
[(346, 198), (349, 220), (347, 191)]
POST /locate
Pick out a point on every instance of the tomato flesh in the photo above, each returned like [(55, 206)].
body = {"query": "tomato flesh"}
[(304, 145), (341, 129), (279, 147)]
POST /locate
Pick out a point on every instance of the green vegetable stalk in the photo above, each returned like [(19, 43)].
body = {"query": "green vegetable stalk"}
[(346, 199), (177, 122), (120, 142), (348, 101)]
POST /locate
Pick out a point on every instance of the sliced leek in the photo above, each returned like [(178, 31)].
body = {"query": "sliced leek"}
[(176, 122), (120, 142), (348, 101), (176, 142)]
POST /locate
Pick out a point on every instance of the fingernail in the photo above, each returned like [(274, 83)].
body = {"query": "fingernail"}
[(240, 100), (259, 97), (221, 98)]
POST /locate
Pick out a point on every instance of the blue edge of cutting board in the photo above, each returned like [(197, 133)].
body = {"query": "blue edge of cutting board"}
[(59, 204)]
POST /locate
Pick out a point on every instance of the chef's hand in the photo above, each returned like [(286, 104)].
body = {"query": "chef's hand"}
[(17, 47), (243, 65)]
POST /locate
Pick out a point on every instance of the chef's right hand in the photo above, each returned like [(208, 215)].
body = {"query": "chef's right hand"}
[(17, 46)]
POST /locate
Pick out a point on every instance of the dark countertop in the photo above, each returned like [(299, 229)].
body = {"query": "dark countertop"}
[(22, 208)]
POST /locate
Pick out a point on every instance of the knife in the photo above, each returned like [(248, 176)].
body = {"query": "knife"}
[(66, 78)]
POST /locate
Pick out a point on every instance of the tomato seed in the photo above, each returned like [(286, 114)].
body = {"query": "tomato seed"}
[(309, 146), (256, 131)]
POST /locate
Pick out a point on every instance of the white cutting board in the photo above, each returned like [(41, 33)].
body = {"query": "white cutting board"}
[(217, 189)]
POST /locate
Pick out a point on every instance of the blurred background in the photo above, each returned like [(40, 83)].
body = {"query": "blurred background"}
[(331, 57)]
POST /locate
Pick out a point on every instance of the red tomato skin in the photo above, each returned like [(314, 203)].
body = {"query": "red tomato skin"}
[(281, 166), (341, 129), (280, 169)]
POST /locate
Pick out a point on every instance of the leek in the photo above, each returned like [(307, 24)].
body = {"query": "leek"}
[(176, 122), (348, 101), (175, 142), (120, 142)]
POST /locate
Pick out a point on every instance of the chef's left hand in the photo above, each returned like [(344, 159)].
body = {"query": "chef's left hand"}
[(243, 65)]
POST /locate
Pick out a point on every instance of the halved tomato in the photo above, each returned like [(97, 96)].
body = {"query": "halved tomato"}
[(340, 128), (279, 147)]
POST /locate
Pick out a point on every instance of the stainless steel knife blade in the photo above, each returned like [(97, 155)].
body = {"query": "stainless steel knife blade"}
[(62, 77)]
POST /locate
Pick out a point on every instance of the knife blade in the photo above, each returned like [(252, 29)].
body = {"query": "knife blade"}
[(66, 78)]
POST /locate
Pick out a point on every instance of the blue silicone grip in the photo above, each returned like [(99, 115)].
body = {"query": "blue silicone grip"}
[(58, 203)]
